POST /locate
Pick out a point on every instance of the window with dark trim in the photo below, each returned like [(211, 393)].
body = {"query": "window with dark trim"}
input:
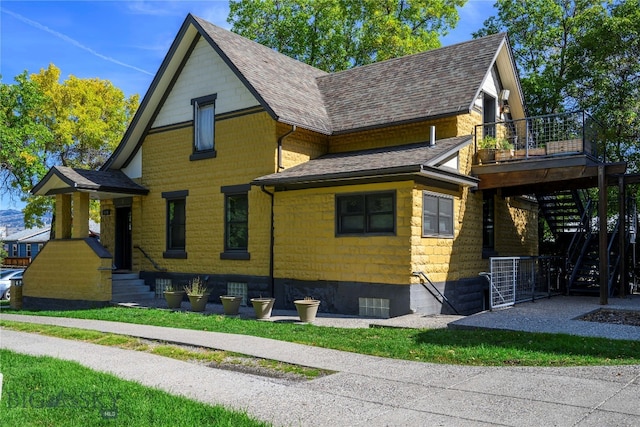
[(204, 119), (236, 222), (488, 220), (488, 224), (176, 224), (437, 215), (368, 213)]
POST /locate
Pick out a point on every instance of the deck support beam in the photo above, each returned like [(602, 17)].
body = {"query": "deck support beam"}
[(602, 235), (622, 235)]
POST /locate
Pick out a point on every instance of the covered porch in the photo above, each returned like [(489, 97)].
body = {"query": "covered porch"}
[(47, 283)]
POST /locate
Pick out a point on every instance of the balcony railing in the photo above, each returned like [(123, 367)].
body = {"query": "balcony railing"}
[(535, 137)]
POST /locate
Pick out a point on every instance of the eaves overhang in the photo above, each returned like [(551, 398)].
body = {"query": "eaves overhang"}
[(100, 184), (418, 173)]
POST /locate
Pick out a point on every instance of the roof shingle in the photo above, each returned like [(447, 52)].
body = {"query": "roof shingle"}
[(434, 83), (404, 158)]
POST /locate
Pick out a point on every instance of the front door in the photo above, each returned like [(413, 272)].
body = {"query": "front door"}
[(122, 255)]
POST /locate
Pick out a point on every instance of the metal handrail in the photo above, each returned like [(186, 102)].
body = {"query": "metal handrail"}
[(424, 279), (155, 264)]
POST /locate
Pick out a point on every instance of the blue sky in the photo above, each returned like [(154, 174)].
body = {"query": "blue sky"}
[(123, 41)]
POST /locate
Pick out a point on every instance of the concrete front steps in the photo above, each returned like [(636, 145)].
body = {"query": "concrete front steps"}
[(129, 288)]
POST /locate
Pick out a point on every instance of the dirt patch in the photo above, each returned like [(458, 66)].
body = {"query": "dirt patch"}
[(616, 317)]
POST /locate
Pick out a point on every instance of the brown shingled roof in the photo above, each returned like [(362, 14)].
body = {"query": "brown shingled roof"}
[(410, 158), (431, 84), (288, 87), (72, 179), (435, 83)]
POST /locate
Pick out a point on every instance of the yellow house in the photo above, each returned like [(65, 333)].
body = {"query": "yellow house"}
[(268, 177)]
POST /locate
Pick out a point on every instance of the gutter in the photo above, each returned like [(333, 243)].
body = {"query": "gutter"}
[(271, 244)]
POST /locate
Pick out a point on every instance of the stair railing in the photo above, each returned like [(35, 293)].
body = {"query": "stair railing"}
[(582, 234), (155, 264), (433, 290)]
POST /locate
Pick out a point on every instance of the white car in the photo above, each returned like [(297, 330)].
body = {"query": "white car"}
[(5, 281)]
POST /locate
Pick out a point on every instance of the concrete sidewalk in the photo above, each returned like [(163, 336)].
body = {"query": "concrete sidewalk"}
[(365, 390)]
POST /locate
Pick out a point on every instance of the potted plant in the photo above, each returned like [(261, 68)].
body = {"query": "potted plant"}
[(262, 307), (230, 304), (198, 294), (504, 150), (173, 295), (487, 149), (307, 309)]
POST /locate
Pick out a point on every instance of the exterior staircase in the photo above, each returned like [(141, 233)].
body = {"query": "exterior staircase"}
[(564, 211), (569, 215), (129, 288)]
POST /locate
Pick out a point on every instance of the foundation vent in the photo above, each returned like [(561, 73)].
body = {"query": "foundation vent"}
[(238, 289), (374, 307)]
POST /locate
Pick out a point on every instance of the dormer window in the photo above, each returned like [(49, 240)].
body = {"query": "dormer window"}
[(204, 127)]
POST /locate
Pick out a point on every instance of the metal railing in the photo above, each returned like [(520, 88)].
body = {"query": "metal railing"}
[(518, 279), (557, 134)]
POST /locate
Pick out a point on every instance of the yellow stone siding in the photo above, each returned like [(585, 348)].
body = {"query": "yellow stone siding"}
[(396, 135), (307, 248), (246, 148), (88, 280), (466, 123), (448, 259), (516, 227), (108, 225), (301, 145)]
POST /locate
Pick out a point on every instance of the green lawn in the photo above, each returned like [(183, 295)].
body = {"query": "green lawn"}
[(43, 391), (468, 347)]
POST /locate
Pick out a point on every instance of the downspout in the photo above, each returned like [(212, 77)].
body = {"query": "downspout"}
[(272, 236), (271, 245), (280, 167)]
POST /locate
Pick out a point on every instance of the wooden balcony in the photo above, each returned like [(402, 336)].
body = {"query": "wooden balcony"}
[(540, 154)]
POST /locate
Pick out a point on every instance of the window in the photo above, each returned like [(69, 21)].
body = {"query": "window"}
[(370, 213), (14, 249), (488, 228), (437, 215), (236, 222), (29, 250), (203, 127), (176, 224)]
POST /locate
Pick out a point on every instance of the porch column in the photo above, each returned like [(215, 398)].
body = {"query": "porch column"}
[(63, 216), (602, 236), (80, 215)]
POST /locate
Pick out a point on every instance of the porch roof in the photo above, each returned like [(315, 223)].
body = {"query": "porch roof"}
[(101, 184), (412, 161)]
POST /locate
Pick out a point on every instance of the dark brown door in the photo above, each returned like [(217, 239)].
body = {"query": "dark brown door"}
[(122, 255)]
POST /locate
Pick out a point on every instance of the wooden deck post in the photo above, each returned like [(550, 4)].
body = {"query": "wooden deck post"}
[(602, 235), (622, 235)]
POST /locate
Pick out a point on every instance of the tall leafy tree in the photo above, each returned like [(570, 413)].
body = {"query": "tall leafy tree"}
[(605, 76), (541, 32), (335, 35), (23, 136), (46, 122)]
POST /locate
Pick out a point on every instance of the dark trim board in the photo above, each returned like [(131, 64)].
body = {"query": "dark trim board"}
[(467, 295)]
